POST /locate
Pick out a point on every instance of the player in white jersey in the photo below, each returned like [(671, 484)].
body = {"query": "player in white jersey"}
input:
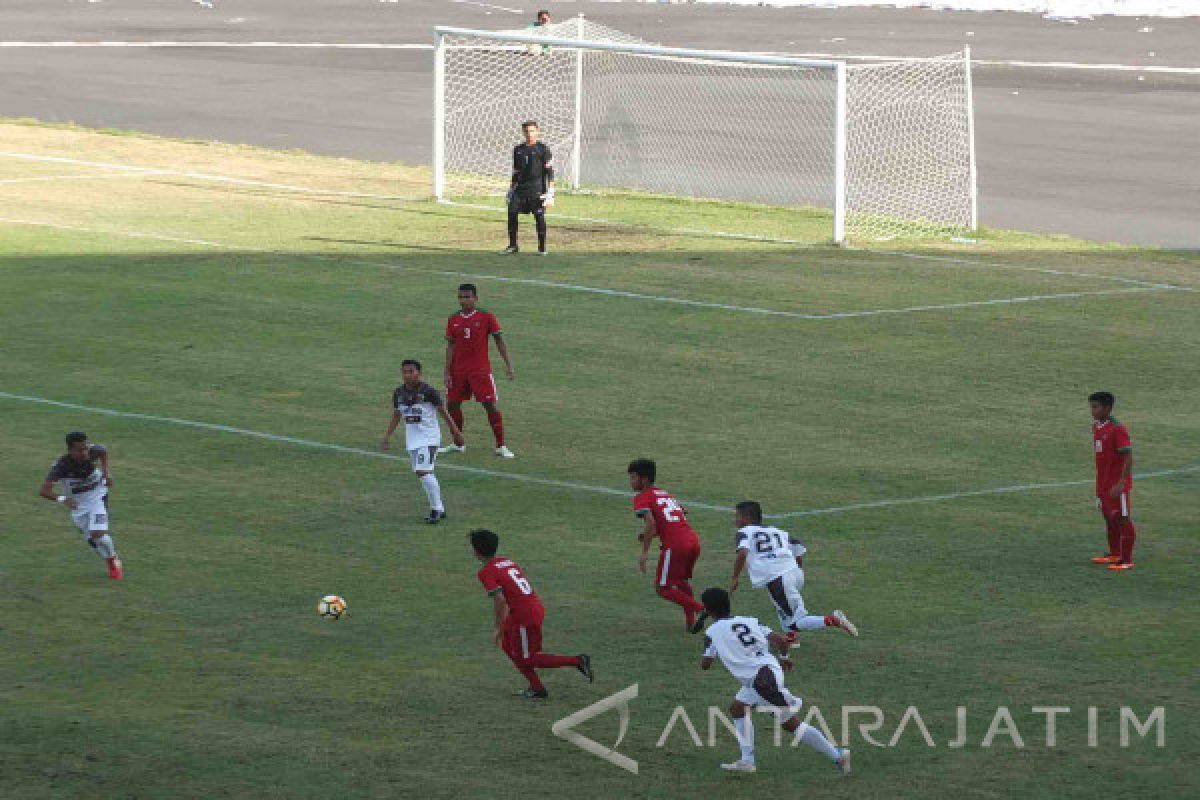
[(775, 561), (83, 473), (419, 405), (744, 646)]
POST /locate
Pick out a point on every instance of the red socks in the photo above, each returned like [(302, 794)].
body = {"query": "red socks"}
[(1128, 536), (680, 598), (548, 661), (496, 420), (1114, 536)]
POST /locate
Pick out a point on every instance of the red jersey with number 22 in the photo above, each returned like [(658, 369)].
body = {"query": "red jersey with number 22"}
[(469, 333), (503, 574), (669, 518)]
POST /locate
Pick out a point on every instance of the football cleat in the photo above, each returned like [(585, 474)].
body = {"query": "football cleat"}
[(842, 764), (1109, 559), (435, 517), (585, 667), (508, 251), (740, 766), (1121, 565), (844, 623), (533, 694), (504, 452), (698, 625), (453, 448)]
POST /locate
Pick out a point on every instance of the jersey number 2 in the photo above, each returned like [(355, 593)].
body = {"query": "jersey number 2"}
[(671, 511)]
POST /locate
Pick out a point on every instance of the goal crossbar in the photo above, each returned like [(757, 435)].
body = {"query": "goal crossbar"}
[(442, 31)]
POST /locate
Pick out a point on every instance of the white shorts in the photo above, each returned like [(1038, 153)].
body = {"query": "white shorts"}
[(776, 696), (423, 458), (90, 518), (785, 596)]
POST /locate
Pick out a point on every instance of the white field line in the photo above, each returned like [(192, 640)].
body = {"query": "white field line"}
[(102, 231), (575, 287), (205, 176), (685, 231), (938, 498), (488, 5), (167, 44), (552, 482), (89, 177)]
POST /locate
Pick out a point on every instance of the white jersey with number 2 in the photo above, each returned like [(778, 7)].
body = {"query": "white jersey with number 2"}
[(741, 644)]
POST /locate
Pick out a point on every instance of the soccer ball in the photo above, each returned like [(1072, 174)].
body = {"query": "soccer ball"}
[(331, 606)]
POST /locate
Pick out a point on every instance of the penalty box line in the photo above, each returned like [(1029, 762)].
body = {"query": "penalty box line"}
[(562, 484), (618, 293), (305, 190)]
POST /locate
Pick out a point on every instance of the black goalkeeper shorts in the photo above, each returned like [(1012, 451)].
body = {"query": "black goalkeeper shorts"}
[(525, 202)]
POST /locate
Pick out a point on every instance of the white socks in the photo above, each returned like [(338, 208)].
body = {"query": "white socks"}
[(745, 736), (814, 739), (104, 546), (810, 623), (433, 491)]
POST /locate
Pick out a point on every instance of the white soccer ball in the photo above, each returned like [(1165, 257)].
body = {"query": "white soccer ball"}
[(331, 606)]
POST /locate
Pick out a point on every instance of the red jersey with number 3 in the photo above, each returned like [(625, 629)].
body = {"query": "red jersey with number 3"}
[(1111, 442), (503, 574), (469, 333), (670, 520)]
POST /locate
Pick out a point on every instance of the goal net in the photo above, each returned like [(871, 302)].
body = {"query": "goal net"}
[(885, 147)]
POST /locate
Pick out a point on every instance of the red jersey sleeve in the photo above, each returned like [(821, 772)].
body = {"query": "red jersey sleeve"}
[(490, 580), (493, 324), (643, 504), (1121, 439), (450, 328)]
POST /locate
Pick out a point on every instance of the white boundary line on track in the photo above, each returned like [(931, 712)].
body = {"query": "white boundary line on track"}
[(170, 44), (561, 484), (90, 177), (575, 287)]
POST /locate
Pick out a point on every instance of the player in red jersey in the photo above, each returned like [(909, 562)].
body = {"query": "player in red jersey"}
[(519, 615), (468, 368), (1114, 481), (679, 546)]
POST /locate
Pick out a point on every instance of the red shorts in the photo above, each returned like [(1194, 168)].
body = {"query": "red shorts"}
[(1119, 506), (675, 564), (522, 634), (463, 385)]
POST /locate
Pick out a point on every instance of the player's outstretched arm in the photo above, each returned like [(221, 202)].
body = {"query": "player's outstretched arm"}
[(502, 349), (500, 607), (739, 562), (391, 428), (455, 433), (781, 643), (102, 455), (47, 491)]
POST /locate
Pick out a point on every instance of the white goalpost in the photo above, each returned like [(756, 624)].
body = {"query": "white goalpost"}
[(887, 148)]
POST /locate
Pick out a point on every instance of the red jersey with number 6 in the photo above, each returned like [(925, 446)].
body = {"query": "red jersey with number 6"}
[(670, 520), (469, 333), (503, 575)]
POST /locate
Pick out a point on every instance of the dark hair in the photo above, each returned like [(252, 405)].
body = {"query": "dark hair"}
[(76, 436), (529, 122), (644, 467), (751, 509), (484, 541), (406, 362), (540, 12), (468, 287), (1103, 398), (716, 601)]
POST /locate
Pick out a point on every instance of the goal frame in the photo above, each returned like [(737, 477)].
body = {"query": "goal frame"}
[(838, 68)]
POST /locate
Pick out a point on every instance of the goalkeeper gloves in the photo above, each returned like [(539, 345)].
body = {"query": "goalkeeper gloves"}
[(548, 198)]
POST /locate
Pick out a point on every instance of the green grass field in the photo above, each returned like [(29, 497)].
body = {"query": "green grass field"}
[(207, 674)]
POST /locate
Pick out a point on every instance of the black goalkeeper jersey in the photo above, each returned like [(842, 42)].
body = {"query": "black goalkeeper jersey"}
[(533, 167)]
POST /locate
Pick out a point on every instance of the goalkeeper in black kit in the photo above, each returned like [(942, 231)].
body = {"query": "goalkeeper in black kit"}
[(532, 187)]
